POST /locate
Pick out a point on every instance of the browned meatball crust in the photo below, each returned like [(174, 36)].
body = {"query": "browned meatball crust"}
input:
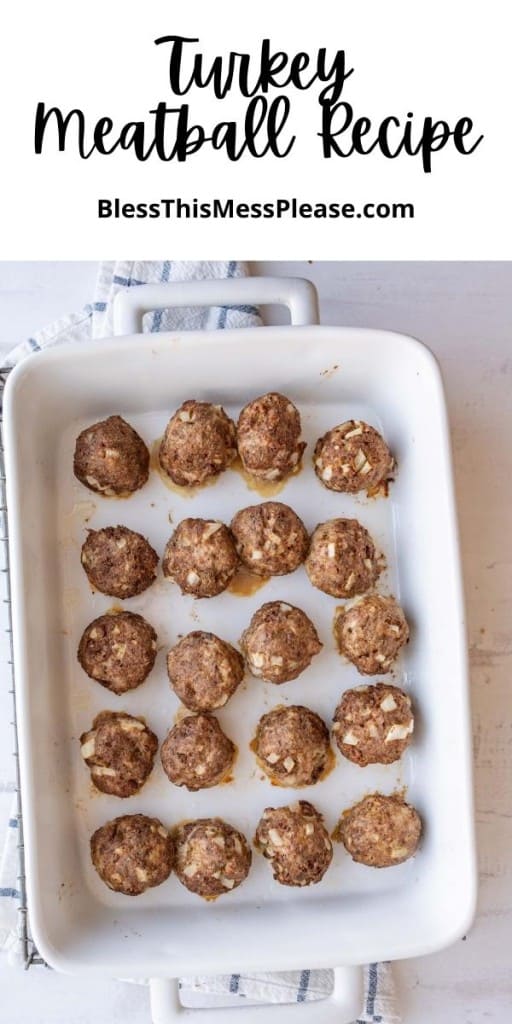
[(132, 853), (118, 561), (268, 435), (196, 753), (201, 557), (110, 458), (292, 746), (296, 842), (380, 831), (118, 650), (342, 560), (199, 443), (373, 724), (270, 538), (353, 457), (371, 632), (204, 670), (280, 642), (119, 750), (212, 857)]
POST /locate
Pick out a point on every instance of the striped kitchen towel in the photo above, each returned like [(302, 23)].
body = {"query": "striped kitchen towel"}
[(379, 1000), (95, 321)]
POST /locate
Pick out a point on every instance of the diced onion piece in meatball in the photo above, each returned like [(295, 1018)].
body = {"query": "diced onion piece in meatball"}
[(118, 561), (268, 434), (280, 642), (296, 842), (342, 559), (201, 557), (196, 753), (373, 724), (204, 670), (212, 857), (353, 457), (118, 650), (370, 632), (132, 853), (199, 443), (292, 746), (380, 831), (270, 538), (119, 750), (110, 458)]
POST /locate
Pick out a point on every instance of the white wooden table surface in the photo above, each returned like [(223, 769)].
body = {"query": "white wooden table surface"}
[(464, 313)]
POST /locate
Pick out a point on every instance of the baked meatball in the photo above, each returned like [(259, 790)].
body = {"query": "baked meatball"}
[(342, 560), (380, 831), (373, 724), (119, 750), (212, 857), (199, 443), (118, 561), (270, 538), (370, 633), (111, 458), (295, 841), (118, 650), (280, 642), (196, 753), (132, 853), (201, 557), (204, 670), (292, 746), (353, 457), (268, 435)]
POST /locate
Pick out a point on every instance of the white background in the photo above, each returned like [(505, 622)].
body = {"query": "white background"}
[(464, 313), (443, 59)]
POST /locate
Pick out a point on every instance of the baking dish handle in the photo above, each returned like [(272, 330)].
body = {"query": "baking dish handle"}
[(299, 295), (343, 1006)]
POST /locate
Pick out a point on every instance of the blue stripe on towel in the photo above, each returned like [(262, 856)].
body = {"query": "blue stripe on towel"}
[(224, 309), (158, 314), (303, 986), (372, 988), (125, 282), (251, 310), (95, 307)]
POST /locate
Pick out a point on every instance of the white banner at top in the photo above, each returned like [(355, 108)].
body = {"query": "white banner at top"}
[(220, 130)]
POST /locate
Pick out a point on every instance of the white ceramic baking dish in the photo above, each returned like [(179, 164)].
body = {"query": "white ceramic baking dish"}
[(356, 914)]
